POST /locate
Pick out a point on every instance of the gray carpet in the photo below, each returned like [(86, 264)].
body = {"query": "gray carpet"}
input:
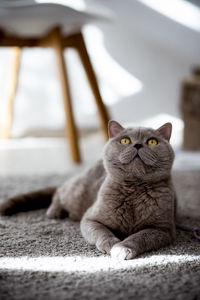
[(48, 259)]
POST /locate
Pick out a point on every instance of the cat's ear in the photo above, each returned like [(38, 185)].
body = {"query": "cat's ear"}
[(114, 128), (166, 131)]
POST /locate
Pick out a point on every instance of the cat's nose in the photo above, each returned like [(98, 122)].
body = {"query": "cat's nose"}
[(138, 146)]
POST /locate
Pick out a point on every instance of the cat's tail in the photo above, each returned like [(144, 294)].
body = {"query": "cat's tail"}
[(25, 202)]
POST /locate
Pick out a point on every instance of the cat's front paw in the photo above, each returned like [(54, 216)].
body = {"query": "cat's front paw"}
[(106, 245), (120, 252)]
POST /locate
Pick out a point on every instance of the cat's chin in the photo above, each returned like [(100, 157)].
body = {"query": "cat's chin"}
[(136, 169)]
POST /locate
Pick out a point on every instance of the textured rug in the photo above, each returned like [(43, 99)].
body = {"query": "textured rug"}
[(48, 259)]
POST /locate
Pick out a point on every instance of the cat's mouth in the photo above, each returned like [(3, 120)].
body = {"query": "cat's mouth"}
[(137, 157), (130, 158)]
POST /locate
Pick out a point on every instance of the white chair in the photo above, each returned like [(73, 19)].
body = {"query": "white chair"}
[(31, 24)]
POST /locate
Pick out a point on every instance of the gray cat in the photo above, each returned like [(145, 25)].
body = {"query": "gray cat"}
[(126, 202)]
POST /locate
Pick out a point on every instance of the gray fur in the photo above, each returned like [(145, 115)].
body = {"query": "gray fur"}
[(126, 202)]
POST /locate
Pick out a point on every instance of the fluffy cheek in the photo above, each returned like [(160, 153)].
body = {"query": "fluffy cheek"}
[(166, 160), (111, 160)]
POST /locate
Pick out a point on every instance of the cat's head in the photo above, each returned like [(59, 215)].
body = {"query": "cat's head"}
[(138, 153)]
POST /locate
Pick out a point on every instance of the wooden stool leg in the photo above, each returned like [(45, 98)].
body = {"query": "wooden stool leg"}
[(82, 50), (5, 132), (71, 131)]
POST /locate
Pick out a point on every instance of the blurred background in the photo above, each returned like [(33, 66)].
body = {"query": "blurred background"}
[(144, 53)]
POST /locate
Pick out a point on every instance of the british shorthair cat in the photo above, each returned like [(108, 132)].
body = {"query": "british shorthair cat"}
[(126, 202)]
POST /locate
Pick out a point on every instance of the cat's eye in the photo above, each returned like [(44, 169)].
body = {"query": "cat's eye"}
[(152, 142), (125, 141)]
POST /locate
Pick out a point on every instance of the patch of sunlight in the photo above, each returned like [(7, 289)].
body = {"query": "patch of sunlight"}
[(180, 11), (119, 80), (88, 264)]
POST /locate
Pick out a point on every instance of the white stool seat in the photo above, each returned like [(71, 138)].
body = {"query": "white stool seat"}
[(32, 18)]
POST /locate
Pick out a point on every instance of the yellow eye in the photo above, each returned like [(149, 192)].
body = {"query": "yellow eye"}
[(152, 142), (125, 141)]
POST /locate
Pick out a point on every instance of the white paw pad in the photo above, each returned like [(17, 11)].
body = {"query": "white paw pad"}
[(122, 253)]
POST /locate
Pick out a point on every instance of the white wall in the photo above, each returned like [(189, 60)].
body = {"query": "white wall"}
[(156, 50)]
